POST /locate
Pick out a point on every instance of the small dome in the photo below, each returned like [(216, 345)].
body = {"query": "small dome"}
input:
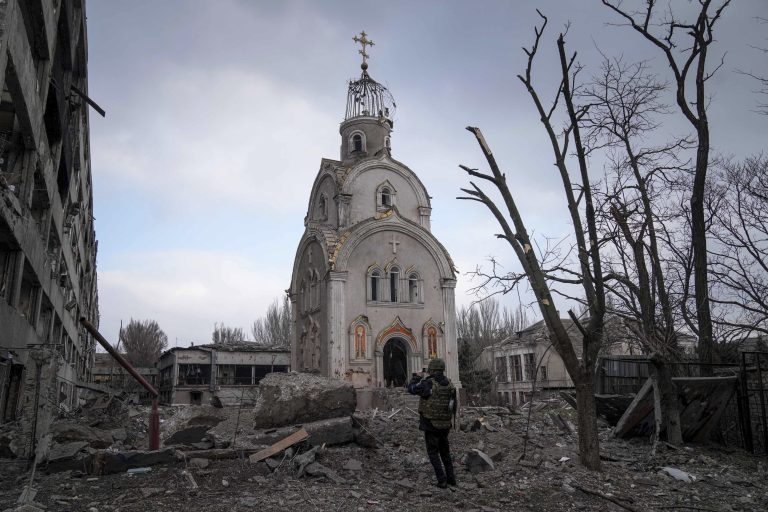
[(368, 98)]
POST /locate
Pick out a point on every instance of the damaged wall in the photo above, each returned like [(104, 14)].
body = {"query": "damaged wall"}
[(47, 238)]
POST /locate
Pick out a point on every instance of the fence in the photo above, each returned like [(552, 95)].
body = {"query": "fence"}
[(743, 422)]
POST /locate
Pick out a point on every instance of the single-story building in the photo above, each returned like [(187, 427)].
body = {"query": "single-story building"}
[(231, 372)]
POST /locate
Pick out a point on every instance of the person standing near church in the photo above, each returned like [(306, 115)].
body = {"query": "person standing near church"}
[(437, 407)]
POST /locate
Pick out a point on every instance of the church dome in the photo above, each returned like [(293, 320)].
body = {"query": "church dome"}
[(368, 98)]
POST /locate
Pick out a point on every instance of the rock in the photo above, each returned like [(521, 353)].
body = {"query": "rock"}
[(68, 431), (203, 445), (150, 491), (305, 459), (225, 482), (353, 465), (414, 460), (199, 463), (317, 469), (678, 474), (289, 398), (330, 432), (477, 461)]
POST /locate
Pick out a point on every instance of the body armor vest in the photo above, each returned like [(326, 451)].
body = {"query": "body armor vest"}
[(437, 407)]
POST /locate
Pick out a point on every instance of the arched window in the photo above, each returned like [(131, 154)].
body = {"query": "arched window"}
[(375, 276), (323, 207), (394, 278), (357, 142), (386, 197), (413, 288)]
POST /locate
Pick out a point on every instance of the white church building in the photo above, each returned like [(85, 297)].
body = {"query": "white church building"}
[(372, 288)]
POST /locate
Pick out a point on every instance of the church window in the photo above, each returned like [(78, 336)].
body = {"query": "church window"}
[(323, 208), (432, 342), (413, 288), (386, 197), (359, 342), (357, 143), (394, 278), (374, 285)]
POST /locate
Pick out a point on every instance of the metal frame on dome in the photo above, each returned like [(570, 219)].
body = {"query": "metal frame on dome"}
[(367, 97)]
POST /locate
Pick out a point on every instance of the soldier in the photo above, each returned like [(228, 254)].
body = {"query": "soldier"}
[(436, 409)]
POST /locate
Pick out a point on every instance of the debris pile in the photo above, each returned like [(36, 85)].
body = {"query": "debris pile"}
[(505, 459)]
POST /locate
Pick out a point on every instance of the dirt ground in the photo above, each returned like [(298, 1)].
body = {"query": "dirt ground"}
[(397, 476)]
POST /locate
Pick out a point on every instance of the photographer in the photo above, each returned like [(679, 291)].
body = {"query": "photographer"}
[(436, 409)]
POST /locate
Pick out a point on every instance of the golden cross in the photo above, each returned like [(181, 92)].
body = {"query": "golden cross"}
[(364, 41)]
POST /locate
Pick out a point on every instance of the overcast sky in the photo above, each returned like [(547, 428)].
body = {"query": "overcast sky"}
[(218, 114)]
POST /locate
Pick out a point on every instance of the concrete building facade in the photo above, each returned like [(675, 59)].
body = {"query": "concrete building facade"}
[(230, 372), (47, 239), (372, 288)]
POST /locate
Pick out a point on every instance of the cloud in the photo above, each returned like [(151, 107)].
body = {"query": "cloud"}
[(186, 291), (208, 138)]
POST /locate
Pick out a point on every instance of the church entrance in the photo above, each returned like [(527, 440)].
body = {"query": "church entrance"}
[(395, 363)]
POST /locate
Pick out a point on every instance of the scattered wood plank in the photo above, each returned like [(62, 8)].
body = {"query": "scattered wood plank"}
[(636, 412), (393, 414), (296, 437)]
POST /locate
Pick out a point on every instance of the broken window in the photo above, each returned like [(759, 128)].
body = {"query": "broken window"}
[(517, 367), (11, 146), (243, 374), (7, 272), (501, 370), (543, 372), (194, 374), (530, 366), (386, 197)]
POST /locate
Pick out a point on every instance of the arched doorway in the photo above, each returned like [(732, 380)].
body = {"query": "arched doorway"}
[(395, 357)]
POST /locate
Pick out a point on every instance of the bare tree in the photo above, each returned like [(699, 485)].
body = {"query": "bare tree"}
[(223, 335), (588, 272), (143, 342), (739, 254), (275, 327), (687, 60)]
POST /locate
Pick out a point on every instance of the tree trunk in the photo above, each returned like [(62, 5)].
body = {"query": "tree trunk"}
[(589, 444), (669, 403)]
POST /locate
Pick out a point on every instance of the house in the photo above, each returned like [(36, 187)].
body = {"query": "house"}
[(529, 356), (230, 372)]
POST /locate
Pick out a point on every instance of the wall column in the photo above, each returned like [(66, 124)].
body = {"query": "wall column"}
[(450, 348), (338, 351)]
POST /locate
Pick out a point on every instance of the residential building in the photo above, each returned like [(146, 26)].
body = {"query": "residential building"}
[(372, 287), (529, 357), (47, 239), (230, 372)]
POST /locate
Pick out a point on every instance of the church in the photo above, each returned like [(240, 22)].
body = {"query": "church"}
[(373, 290)]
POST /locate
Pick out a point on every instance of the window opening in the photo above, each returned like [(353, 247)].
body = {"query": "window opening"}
[(386, 197), (375, 285), (394, 276), (357, 142), (413, 288)]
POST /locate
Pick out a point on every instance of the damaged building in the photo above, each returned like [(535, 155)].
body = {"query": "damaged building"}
[(373, 290), (108, 373), (217, 373), (47, 239)]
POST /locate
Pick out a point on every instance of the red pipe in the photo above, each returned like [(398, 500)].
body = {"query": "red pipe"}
[(154, 418)]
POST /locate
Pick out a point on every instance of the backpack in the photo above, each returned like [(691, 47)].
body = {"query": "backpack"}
[(438, 407)]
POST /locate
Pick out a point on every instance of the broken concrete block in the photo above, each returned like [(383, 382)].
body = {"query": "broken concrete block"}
[(65, 451), (66, 431), (478, 462), (332, 431), (290, 398)]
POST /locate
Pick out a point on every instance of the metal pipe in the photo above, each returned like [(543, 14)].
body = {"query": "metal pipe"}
[(154, 418)]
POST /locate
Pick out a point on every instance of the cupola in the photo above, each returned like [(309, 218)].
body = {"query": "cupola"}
[(368, 119)]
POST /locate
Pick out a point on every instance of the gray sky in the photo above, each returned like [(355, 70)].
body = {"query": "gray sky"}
[(218, 114)]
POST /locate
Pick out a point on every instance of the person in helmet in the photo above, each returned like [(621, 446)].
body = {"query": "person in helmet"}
[(437, 408)]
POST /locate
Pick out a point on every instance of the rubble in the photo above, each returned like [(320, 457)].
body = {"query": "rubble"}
[(534, 467), (289, 398)]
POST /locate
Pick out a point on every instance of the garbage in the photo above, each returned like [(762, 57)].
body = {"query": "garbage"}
[(138, 471)]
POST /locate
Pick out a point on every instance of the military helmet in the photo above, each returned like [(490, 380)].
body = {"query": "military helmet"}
[(436, 364)]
